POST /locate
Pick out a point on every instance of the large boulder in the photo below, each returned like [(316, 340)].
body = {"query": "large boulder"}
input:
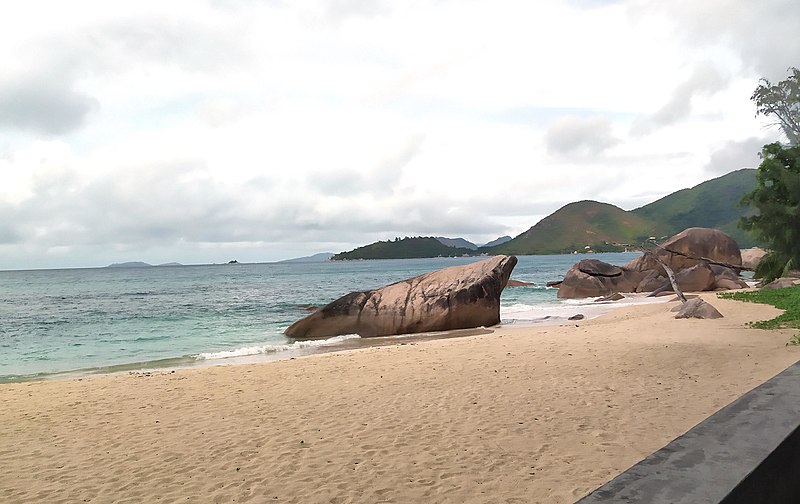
[(701, 258), (727, 279), (695, 279), (752, 256), (459, 297), (696, 308), (594, 278), (652, 281), (690, 247)]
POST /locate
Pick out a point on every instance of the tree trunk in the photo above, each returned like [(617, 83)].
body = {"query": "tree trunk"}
[(670, 274)]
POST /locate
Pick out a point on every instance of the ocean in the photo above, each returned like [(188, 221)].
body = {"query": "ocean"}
[(81, 321)]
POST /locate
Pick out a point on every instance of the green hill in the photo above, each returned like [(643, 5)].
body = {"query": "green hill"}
[(600, 226), (407, 248), (713, 204)]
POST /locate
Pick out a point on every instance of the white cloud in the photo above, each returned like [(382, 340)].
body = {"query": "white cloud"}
[(580, 136), (735, 155), (705, 79), (193, 131)]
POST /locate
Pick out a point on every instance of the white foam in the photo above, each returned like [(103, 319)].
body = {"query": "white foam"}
[(271, 349), (565, 308)]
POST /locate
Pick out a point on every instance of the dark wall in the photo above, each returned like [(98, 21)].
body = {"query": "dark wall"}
[(747, 452), (775, 480)]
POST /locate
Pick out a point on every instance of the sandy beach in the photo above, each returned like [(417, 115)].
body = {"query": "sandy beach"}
[(524, 414)]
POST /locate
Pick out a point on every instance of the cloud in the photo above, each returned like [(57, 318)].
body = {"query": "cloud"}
[(342, 9), (196, 45), (763, 34), (47, 93), (735, 155), (705, 79), (381, 177), (46, 102), (580, 136), (267, 126)]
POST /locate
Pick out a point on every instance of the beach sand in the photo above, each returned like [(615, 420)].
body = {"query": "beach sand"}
[(524, 414)]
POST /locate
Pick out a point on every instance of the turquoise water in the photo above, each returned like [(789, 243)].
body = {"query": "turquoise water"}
[(56, 321)]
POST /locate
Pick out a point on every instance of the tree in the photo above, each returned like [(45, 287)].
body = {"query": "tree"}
[(777, 199), (781, 101), (777, 194)]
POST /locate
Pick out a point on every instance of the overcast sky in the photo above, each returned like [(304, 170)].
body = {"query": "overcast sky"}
[(204, 131)]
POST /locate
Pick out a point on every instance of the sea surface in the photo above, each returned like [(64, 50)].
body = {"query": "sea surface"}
[(81, 321)]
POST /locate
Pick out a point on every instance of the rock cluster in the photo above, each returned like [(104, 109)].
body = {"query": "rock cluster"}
[(702, 259), (459, 297)]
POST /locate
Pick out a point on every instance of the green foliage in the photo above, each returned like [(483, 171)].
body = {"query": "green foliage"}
[(601, 226), (712, 204), (772, 266), (781, 101), (406, 248), (777, 200), (785, 299), (576, 225)]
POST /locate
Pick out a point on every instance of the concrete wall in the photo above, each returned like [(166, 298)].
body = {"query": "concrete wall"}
[(747, 452)]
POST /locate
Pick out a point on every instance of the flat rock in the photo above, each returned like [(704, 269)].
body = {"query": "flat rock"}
[(611, 297), (459, 297), (595, 267)]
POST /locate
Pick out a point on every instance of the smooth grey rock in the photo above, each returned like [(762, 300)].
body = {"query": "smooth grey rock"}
[(696, 308), (782, 283), (596, 267), (652, 281), (611, 297), (752, 257), (577, 283), (684, 253), (727, 279), (689, 247), (459, 297)]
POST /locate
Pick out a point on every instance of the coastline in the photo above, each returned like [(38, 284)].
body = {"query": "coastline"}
[(519, 414), (538, 315)]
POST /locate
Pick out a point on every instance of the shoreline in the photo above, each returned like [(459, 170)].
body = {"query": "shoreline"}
[(123, 319), (556, 314), (523, 414)]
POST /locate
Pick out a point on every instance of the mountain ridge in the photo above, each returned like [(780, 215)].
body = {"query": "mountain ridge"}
[(588, 225)]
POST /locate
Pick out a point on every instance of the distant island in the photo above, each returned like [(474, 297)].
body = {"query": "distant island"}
[(593, 226), (405, 248), (321, 257), (140, 264)]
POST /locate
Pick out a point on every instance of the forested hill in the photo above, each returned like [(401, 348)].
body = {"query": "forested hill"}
[(714, 204), (406, 248), (601, 227), (581, 226)]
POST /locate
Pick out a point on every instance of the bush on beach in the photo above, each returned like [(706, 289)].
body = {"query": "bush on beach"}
[(787, 299)]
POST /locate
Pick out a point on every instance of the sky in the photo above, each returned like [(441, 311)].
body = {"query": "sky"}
[(209, 130)]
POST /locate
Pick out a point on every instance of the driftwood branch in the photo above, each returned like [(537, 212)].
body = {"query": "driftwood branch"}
[(717, 263), (670, 275)]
